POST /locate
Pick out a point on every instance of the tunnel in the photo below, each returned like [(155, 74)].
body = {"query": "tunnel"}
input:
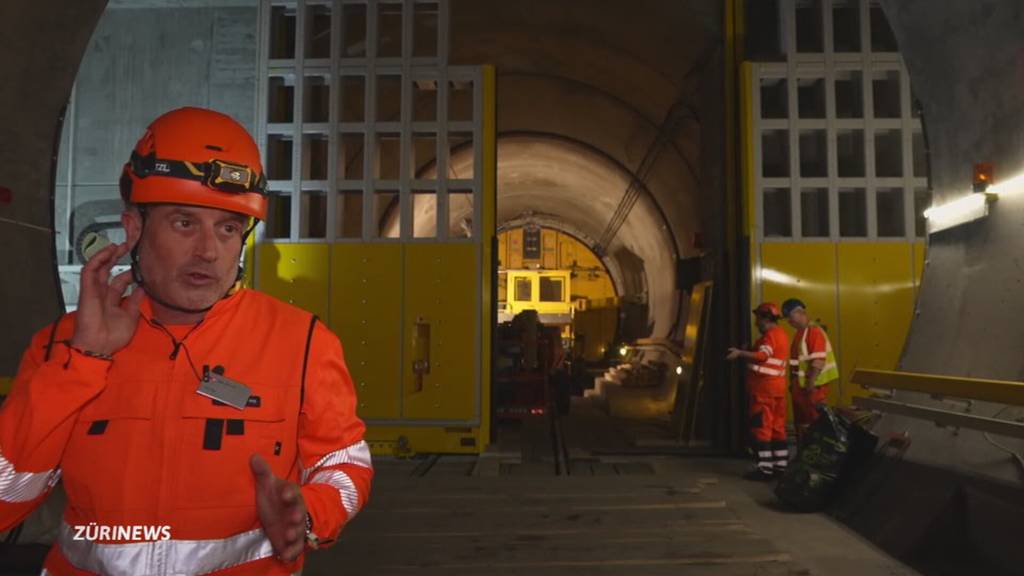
[(538, 229)]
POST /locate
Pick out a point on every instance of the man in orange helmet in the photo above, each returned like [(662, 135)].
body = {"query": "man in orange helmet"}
[(199, 428), (766, 387)]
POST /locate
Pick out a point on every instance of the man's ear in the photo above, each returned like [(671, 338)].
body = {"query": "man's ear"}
[(131, 219)]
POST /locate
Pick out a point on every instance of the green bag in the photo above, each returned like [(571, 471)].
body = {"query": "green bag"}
[(811, 480)]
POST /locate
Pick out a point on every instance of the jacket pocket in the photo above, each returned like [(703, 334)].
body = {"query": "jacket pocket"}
[(218, 441), (110, 456)]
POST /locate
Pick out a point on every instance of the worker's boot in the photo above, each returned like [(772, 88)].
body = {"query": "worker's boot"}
[(765, 469), (780, 455)]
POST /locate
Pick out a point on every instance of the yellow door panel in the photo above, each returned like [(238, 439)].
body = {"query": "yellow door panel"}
[(801, 270), (566, 251), (409, 309), (549, 249), (442, 281), (515, 249), (503, 250), (366, 293), (876, 293), (295, 273)]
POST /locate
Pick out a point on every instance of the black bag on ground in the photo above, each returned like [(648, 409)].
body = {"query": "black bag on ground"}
[(811, 480)]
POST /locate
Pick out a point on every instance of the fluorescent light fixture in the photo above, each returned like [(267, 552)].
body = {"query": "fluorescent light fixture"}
[(972, 207), (957, 212), (1006, 187)]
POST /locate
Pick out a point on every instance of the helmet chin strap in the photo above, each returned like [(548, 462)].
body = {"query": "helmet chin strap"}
[(137, 273)]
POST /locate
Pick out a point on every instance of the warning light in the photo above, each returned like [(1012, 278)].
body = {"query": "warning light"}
[(623, 351), (983, 176)]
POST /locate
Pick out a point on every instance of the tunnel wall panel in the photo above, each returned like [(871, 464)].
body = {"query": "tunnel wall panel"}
[(296, 273), (366, 284), (876, 300), (861, 292)]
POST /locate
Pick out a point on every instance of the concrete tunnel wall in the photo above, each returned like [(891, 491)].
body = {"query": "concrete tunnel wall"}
[(951, 502), (41, 48), (966, 65)]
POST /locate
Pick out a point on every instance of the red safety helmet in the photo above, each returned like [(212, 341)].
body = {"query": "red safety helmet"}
[(768, 309), (198, 157)]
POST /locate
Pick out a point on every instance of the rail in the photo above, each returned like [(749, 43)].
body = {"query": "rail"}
[(942, 387)]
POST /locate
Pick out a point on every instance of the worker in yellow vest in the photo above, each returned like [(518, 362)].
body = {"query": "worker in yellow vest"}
[(812, 366)]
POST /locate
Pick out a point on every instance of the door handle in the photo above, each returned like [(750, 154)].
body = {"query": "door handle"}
[(420, 352)]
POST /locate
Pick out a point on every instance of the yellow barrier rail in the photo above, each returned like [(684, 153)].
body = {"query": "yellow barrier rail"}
[(998, 391)]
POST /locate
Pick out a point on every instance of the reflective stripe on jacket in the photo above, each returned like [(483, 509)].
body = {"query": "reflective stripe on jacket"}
[(769, 370), (812, 344)]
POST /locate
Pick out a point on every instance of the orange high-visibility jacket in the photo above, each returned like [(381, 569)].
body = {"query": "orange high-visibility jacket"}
[(136, 445), (768, 369)]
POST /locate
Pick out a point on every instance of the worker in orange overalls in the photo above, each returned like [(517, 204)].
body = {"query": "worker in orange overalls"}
[(766, 387), (812, 367), (198, 427)]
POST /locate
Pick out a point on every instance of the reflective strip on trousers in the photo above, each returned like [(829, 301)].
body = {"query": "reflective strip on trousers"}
[(358, 454), (781, 458), (24, 486), (164, 557)]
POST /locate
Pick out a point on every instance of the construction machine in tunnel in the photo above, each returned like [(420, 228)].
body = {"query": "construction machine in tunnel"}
[(783, 149)]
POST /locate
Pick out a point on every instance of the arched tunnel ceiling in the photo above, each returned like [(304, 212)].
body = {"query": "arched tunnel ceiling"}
[(552, 181), (590, 117), (584, 89), (604, 73), (548, 177)]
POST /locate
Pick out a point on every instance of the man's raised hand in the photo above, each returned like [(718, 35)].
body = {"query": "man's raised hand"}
[(105, 322)]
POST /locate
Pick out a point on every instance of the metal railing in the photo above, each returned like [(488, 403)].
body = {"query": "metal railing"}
[(941, 388)]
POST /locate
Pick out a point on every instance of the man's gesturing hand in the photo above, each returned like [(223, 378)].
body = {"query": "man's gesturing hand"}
[(104, 323), (282, 510)]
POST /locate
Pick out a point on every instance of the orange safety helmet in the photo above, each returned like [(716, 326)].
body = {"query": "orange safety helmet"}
[(198, 157), (768, 309)]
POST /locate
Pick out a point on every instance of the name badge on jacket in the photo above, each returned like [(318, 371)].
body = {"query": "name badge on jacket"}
[(223, 389)]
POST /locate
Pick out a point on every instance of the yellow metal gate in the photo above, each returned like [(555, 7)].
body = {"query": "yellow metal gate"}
[(382, 160)]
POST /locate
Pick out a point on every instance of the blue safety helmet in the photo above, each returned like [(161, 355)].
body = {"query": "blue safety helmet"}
[(790, 305)]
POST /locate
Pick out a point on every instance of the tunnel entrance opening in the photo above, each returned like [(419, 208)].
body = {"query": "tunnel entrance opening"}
[(570, 381)]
